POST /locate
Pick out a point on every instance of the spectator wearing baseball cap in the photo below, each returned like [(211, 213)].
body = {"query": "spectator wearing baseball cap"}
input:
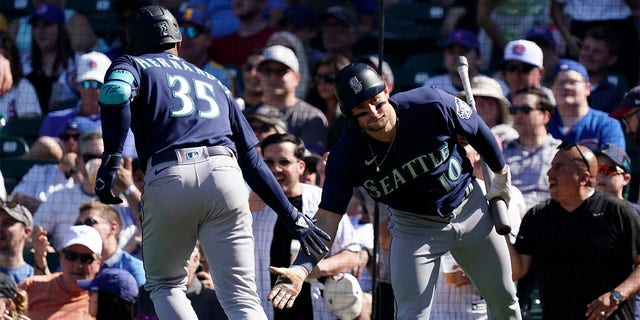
[(57, 295), (543, 37), (196, 38), (113, 293), (574, 120), (459, 42), (13, 301), (339, 30), (17, 224), (280, 76), (614, 172), (523, 67), (266, 120)]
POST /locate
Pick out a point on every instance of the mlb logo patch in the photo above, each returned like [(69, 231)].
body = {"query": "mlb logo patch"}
[(462, 109)]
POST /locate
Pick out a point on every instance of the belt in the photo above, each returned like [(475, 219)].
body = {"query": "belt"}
[(192, 153)]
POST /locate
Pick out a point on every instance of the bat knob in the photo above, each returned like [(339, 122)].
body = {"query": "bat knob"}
[(462, 61)]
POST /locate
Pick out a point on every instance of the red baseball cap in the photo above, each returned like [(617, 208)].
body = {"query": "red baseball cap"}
[(630, 101)]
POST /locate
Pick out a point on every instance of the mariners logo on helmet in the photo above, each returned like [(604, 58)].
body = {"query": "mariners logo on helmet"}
[(356, 85)]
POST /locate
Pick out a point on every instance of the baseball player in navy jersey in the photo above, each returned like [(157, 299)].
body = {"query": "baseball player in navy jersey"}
[(195, 147), (404, 152)]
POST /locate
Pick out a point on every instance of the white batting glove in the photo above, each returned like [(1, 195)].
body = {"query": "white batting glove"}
[(501, 186)]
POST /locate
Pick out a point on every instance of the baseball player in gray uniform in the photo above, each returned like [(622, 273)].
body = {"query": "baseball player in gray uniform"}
[(197, 149), (404, 151)]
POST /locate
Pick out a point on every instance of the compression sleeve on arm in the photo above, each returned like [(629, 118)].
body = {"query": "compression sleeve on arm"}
[(262, 182), (115, 114), (485, 143)]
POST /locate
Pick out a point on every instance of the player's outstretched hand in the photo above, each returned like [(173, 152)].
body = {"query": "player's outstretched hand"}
[(309, 234), (287, 287), (500, 186), (106, 178)]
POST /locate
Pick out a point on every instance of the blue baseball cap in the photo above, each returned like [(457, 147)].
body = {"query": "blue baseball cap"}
[(541, 33), (616, 154), (118, 282), (463, 37), (196, 16), (568, 64), (48, 13)]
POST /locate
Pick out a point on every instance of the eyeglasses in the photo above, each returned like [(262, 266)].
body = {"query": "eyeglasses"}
[(278, 72), (86, 157), (610, 170), (262, 128), (518, 109), (190, 32), (568, 145), (520, 68), (282, 162), (87, 222), (325, 77), (68, 136), (85, 258), (86, 84)]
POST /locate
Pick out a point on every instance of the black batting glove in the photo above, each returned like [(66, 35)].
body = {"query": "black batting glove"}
[(304, 229), (106, 178)]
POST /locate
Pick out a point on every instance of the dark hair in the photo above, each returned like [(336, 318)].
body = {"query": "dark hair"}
[(64, 52), (111, 307), (285, 137), (605, 34), (9, 50), (543, 103), (335, 62)]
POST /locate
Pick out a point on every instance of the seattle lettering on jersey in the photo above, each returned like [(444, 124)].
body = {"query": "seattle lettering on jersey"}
[(173, 63), (414, 169)]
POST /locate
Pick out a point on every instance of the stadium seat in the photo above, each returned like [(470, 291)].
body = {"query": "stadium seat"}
[(416, 69), (26, 128), (12, 146)]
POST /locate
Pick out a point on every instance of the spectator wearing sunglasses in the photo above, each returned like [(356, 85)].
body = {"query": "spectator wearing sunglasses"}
[(574, 120), (57, 295), (523, 67), (584, 243), (194, 27), (91, 69), (530, 155), (614, 172), (60, 211), (251, 90)]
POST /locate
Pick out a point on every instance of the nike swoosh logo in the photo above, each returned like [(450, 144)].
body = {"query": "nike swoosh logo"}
[(160, 170), (369, 162)]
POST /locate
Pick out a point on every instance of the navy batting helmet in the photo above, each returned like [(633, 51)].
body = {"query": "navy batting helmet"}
[(355, 84), (149, 28)]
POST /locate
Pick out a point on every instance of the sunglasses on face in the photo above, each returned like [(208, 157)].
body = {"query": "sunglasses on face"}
[(262, 128), (520, 68), (86, 84), (282, 162), (86, 157), (610, 170), (69, 136), (518, 109), (278, 72), (326, 78), (87, 222), (85, 258), (190, 32), (568, 146)]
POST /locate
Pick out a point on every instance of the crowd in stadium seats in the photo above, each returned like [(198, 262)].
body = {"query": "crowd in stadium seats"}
[(543, 73)]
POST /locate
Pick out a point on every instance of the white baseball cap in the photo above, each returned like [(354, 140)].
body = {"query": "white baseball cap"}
[(343, 296), (283, 55), (86, 236), (92, 66), (524, 51)]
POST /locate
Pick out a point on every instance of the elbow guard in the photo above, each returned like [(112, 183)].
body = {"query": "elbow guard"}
[(118, 89)]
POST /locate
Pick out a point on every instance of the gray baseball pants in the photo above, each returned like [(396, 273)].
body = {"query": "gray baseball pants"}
[(198, 197), (418, 241)]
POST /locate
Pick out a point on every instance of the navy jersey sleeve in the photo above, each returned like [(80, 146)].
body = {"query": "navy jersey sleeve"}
[(339, 179)]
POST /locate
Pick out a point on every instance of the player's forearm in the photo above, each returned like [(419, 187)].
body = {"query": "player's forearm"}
[(343, 261), (518, 264), (487, 146)]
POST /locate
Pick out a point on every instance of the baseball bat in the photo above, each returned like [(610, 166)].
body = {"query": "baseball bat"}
[(497, 207)]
